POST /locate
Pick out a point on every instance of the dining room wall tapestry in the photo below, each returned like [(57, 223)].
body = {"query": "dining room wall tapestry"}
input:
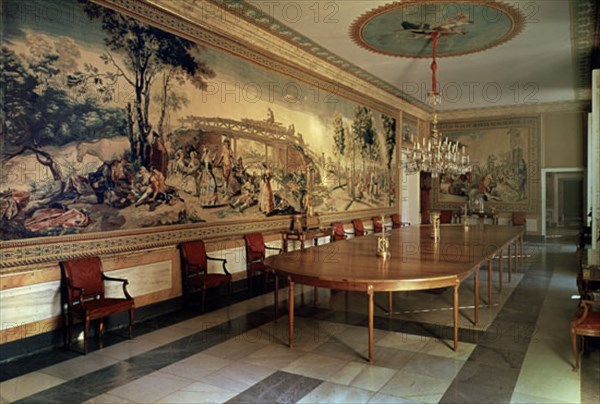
[(114, 124), (505, 171)]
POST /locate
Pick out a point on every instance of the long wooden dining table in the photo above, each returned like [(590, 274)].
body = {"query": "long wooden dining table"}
[(417, 262)]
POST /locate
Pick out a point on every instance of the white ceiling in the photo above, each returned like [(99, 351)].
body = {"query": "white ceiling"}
[(537, 66)]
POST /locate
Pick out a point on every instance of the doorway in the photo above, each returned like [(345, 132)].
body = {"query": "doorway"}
[(563, 193)]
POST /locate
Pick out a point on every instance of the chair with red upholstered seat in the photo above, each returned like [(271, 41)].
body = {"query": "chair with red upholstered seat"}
[(83, 292), (586, 324), (445, 216), (194, 271), (255, 256), (338, 232), (377, 224), (359, 228), (397, 223), (519, 219)]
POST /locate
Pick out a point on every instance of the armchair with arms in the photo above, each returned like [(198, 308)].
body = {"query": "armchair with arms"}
[(194, 271), (83, 294)]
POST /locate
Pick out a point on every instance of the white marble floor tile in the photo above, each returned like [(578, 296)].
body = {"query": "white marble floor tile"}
[(273, 356), (373, 378), (108, 399), (197, 367), (315, 366), (336, 393), (444, 348), (236, 348), (347, 373), (238, 376), (385, 399), (26, 385), (79, 366), (199, 393), (150, 388), (128, 348), (416, 387), (404, 341), (166, 335)]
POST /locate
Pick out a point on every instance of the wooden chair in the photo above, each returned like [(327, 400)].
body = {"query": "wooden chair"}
[(194, 271), (255, 256), (445, 216), (396, 222), (519, 219), (377, 224), (83, 291), (338, 232), (585, 324), (359, 228)]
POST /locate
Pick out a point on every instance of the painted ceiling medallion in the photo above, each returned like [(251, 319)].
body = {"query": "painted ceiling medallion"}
[(405, 28)]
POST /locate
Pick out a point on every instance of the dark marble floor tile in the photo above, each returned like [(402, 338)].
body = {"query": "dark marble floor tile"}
[(476, 394), (280, 387), (61, 394), (497, 357), (35, 362), (477, 373)]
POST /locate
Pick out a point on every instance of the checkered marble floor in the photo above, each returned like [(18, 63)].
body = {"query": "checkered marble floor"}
[(518, 352)]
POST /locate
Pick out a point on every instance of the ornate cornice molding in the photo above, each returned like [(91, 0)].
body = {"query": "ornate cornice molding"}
[(229, 32), (240, 21), (515, 110)]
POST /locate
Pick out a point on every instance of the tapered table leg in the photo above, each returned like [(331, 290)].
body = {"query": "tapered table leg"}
[(371, 310), (455, 299), (500, 270), (476, 296), (509, 259), (291, 310), (516, 255), (489, 285), (276, 295)]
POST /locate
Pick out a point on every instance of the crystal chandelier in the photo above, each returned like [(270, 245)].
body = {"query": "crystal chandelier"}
[(436, 155)]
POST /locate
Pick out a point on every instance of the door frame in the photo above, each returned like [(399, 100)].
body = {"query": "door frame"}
[(543, 190)]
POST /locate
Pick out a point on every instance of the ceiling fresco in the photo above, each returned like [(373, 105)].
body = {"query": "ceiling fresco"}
[(405, 29), (545, 48)]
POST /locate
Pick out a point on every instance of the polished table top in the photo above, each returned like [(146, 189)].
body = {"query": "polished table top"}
[(417, 261)]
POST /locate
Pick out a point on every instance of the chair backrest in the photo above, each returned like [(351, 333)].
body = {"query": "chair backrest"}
[(255, 247), (396, 223), (194, 257), (83, 273), (338, 231), (359, 228), (518, 219), (377, 224), (446, 216)]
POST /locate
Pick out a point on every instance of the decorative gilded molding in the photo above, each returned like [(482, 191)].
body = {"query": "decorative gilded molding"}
[(19, 253), (516, 110), (219, 33)]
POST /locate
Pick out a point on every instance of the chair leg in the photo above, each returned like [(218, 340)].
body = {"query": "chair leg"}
[(203, 297), (69, 326), (86, 330), (131, 314), (249, 279), (229, 293)]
